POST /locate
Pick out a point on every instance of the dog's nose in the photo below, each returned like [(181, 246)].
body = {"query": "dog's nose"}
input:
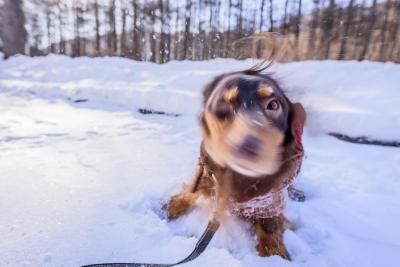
[(250, 146)]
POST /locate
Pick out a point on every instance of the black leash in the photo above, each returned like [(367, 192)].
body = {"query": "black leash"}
[(201, 245)]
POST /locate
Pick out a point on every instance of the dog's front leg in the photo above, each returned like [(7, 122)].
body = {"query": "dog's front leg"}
[(181, 203), (269, 234)]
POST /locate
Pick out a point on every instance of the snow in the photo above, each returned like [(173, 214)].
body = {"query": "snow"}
[(84, 182)]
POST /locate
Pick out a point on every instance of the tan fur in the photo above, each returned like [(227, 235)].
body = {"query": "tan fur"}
[(264, 91), (231, 95)]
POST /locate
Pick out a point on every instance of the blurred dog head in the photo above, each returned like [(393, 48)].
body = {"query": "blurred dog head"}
[(246, 122)]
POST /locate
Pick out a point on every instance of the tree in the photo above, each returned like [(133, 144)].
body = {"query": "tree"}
[(271, 16), (349, 17), (261, 15), (136, 31), (96, 8), (368, 31), (79, 21), (123, 42), (62, 8), (327, 29), (285, 16), (112, 34), (313, 31), (383, 44), (297, 25), (12, 30), (188, 36)]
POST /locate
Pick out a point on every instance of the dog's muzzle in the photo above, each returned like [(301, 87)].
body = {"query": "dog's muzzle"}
[(250, 147)]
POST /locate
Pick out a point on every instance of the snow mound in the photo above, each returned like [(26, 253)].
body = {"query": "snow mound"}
[(353, 98)]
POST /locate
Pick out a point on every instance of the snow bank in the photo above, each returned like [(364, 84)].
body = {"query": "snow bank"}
[(354, 98)]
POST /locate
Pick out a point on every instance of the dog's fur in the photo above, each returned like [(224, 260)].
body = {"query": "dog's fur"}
[(248, 147)]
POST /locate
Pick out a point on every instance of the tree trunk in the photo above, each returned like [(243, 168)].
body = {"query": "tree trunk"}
[(187, 39), (327, 29), (297, 28), (62, 47), (284, 23), (271, 16), (383, 44), (369, 29), (136, 32), (162, 32), (261, 15), (97, 27), (313, 31), (123, 50), (12, 30), (343, 43)]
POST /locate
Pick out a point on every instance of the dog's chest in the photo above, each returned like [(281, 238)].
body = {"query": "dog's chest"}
[(255, 198)]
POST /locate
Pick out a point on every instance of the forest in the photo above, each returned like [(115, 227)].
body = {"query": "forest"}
[(164, 30)]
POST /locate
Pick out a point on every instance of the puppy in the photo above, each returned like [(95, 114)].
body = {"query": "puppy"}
[(250, 154)]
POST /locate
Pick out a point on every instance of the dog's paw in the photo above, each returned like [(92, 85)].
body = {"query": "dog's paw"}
[(176, 207), (270, 246), (296, 194), (269, 234)]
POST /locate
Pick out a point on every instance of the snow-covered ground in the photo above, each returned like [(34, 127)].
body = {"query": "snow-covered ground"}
[(84, 182)]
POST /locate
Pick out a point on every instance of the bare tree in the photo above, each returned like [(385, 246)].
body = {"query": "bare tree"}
[(313, 31), (12, 30), (285, 16), (368, 31), (327, 29), (187, 37), (271, 16), (62, 9), (123, 42), (163, 30), (383, 44), (394, 30), (79, 21), (261, 15), (112, 35), (297, 24), (96, 8), (136, 31), (343, 42)]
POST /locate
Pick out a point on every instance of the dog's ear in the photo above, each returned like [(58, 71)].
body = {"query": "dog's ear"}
[(209, 88), (297, 122), (204, 125)]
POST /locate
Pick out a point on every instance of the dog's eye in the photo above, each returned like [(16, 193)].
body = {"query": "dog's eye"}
[(273, 105)]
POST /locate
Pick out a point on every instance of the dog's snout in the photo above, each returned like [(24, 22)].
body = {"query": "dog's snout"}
[(250, 146)]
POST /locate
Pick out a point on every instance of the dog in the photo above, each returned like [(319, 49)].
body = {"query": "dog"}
[(250, 153)]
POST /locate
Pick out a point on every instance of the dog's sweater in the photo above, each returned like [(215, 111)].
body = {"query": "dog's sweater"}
[(272, 203)]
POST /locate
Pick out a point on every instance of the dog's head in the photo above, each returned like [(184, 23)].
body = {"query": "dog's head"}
[(246, 123)]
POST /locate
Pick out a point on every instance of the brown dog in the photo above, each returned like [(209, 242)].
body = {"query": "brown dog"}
[(250, 154)]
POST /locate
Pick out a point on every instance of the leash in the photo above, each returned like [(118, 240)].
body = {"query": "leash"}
[(201, 245)]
